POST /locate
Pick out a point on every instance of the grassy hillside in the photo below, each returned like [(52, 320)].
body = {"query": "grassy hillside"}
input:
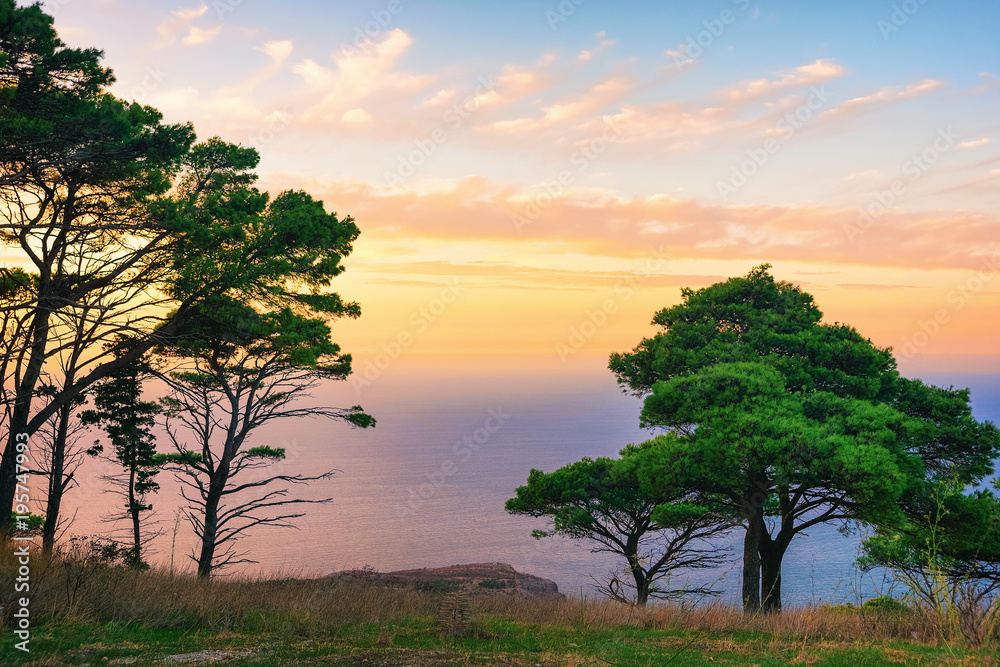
[(84, 613)]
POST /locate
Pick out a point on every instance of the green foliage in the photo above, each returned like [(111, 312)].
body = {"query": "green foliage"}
[(15, 284), (54, 112), (90, 552), (152, 214), (265, 452), (32, 523), (277, 255), (183, 458), (78, 169), (886, 605), (778, 414), (357, 417), (655, 525), (956, 543), (128, 422), (757, 319), (444, 586)]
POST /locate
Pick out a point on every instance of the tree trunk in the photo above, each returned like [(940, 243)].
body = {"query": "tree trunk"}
[(211, 528), (19, 415), (56, 487), (770, 564), (753, 512), (641, 582), (772, 551), (134, 509), (208, 537), (751, 563)]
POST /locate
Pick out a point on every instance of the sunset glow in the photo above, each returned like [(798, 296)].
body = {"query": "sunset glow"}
[(538, 178)]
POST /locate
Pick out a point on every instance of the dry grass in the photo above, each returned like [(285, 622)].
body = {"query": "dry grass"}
[(817, 623), (81, 590), (78, 589)]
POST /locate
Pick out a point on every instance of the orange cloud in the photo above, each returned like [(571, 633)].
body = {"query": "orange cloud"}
[(594, 223)]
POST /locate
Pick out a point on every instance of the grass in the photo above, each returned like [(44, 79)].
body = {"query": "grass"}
[(90, 614)]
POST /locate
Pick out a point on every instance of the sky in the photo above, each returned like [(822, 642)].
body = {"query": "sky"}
[(535, 179)]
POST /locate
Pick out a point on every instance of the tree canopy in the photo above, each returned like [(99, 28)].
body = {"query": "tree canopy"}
[(128, 228), (657, 532), (793, 422)]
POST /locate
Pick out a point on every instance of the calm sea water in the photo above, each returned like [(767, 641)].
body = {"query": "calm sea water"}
[(426, 487)]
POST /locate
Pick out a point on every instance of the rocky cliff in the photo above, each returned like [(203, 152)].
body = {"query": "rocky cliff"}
[(474, 578)]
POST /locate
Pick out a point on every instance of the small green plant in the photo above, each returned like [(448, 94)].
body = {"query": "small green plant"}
[(495, 584), (886, 604), (444, 586), (948, 559), (28, 524)]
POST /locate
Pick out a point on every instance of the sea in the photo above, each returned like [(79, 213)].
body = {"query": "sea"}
[(426, 487)]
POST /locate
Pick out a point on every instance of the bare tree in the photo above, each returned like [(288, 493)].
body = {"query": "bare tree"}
[(658, 529), (57, 461), (212, 411)]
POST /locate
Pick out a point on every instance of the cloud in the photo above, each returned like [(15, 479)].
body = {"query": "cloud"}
[(357, 75), (198, 35), (876, 286), (508, 274), (315, 76), (673, 127), (602, 42), (598, 223), (599, 96), (188, 15), (974, 143), (356, 116), (181, 20), (881, 98), (278, 51), (812, 74), (440, 98), (990, 82), (677, 126), (865, 175)]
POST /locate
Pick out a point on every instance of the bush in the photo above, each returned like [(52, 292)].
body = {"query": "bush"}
[(886, 604)]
